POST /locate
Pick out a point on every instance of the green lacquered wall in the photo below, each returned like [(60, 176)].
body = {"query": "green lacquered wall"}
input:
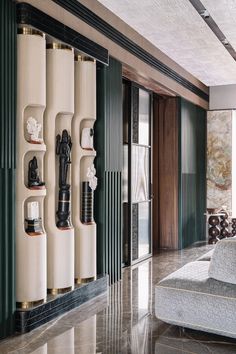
[(7, 165), (108, 144), (192, 173)]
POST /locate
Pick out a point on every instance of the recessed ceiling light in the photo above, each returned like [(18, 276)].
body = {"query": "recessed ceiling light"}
[(205, 14), (225, 41)]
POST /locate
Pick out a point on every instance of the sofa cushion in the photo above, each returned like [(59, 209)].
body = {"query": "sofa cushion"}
[(189, 298), (223, 261), (206, 256)]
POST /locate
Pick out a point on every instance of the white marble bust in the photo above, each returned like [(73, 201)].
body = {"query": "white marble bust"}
[(92, 179), (34, 128)]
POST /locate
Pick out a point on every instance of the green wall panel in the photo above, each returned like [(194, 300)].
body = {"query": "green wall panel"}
[(108, 144), (192, 173), (7, 165)]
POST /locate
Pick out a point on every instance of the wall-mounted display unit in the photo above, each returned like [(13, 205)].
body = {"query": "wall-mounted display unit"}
[(30, 186), (58, 117), (84, 179), (56, 177)]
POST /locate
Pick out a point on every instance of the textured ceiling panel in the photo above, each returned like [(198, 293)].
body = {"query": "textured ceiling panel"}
[(224, 14), (176, 28)]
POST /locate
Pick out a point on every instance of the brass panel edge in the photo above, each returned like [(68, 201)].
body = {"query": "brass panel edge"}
[(57, 291), (30, 31), (29, 304), (79, 57), (84, 280), (55, 45)]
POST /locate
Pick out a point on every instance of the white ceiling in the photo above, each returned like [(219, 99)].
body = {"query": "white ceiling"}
[(175, 27)]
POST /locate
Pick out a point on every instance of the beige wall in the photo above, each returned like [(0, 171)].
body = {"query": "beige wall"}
[(121, 54)]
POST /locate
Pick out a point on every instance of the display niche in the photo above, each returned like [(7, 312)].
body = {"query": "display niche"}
[(30, 187), (58, 162), (84, 179)]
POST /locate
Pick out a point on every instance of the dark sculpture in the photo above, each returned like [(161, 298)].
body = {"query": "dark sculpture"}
[(33, 177), (63, 150)]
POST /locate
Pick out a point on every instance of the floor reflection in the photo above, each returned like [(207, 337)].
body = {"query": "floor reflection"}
[(122, 321)]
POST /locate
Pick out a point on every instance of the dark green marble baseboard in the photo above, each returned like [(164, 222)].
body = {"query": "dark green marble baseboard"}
[(27, 320)]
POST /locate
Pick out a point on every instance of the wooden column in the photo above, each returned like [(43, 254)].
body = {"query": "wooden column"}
[(179, 174), (165, 172)]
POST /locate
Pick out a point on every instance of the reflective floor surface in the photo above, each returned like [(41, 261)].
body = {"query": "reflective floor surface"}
[(122, 321)]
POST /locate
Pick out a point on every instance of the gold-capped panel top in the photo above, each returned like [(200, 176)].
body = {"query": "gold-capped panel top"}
[(79, 57), (56, 45), (30, 31)]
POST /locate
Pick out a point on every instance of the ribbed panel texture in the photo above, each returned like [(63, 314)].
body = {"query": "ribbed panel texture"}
[(113, 224), (192, 192), (8, 89), (108, 144), (7, 254), (7, 165)]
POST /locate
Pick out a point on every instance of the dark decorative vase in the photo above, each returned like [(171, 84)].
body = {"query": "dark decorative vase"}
[(224, 223), (214, 220), (87, 204), (214, 230), (33, 227), (233, 220)]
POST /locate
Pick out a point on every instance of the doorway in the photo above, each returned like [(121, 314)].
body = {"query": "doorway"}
[(137, 173)]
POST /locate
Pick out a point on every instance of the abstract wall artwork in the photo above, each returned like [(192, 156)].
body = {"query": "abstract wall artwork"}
[(219, 154)]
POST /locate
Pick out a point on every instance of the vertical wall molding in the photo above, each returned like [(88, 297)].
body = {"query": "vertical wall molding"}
[(7, 165), (108, 144), (192, 174), (179, 163)]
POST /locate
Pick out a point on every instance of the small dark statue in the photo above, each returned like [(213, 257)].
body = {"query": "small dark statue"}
[(63, 150), (33, 177)]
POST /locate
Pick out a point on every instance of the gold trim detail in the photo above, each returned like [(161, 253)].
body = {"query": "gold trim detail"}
[(79, 57), (30, 31), (55, 45), (55, 291), (84, 280), (29, 304)]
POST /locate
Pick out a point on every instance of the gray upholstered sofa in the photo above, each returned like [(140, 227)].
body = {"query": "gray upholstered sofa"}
[(202, 294)]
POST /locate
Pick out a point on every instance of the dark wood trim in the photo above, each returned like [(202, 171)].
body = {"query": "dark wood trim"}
[(165, 173), (86, 15)]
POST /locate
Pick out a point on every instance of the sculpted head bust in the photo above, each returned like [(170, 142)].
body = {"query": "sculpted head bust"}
[(34, 128)]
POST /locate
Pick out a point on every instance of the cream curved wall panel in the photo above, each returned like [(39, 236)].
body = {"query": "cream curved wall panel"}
[(58, 115), (31, 77), (84, 117), (85, 88), (85, 259), (31, 100)]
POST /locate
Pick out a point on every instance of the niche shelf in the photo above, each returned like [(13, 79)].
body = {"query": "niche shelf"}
[(84, 118), (31, 102), (58, 116)]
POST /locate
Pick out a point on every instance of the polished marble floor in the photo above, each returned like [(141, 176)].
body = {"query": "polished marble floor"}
[(122, 321)]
